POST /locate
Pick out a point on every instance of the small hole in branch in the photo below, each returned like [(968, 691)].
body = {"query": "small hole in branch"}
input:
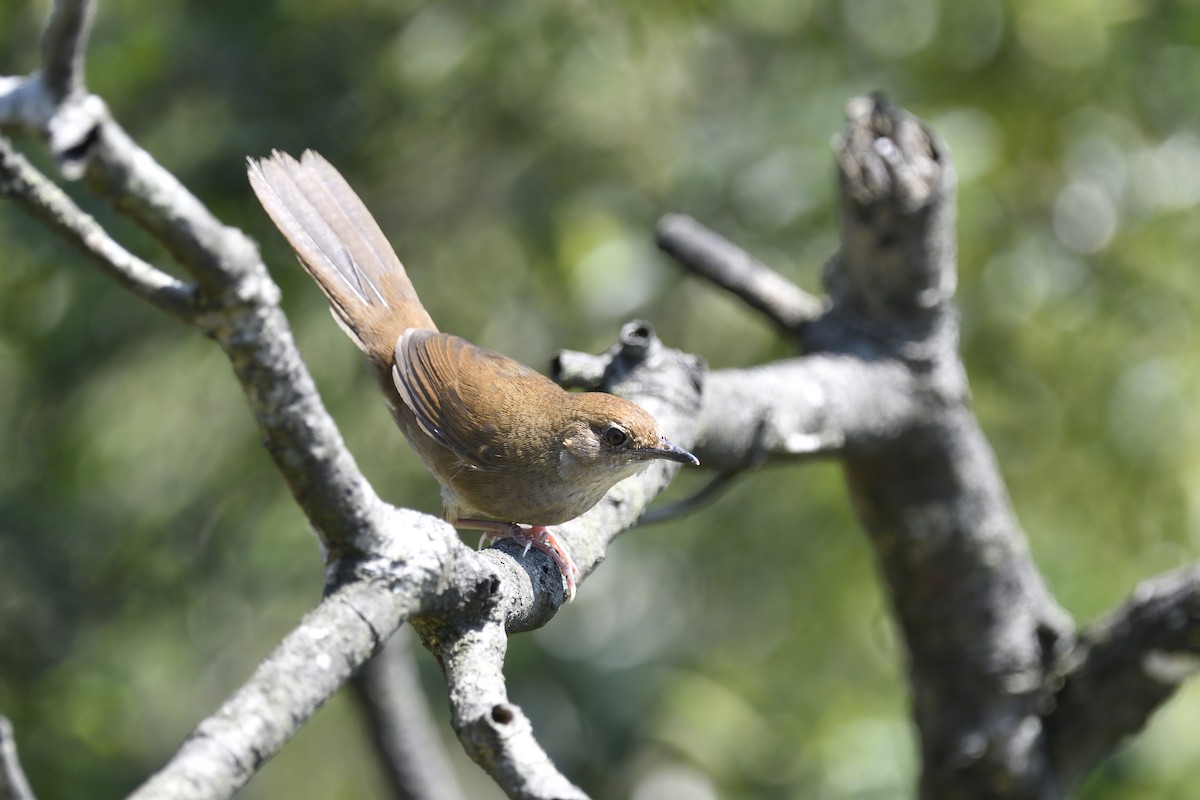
[(73, 160), (502, 714), (635, 338)]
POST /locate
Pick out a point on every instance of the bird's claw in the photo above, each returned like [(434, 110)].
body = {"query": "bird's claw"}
[(541, 538)]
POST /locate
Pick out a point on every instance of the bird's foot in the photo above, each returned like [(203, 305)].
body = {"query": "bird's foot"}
[(537, 537)]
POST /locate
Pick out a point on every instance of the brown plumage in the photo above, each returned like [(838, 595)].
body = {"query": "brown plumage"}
[(506, 443)]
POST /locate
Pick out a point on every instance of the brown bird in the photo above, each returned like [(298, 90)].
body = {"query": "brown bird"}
[(507, 444)]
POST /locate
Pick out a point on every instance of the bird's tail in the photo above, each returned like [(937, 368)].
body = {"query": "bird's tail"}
[(342, 248)]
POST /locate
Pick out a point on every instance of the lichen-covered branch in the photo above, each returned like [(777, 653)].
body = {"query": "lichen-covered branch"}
[(496, 733), (305, 669), (1007, 704), (53, 102), (800, 408), (384, 565), (978, 624), (406, 735), (234, 301)]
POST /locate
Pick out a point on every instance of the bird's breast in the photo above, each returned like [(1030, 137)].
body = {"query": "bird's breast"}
[(544, 492)]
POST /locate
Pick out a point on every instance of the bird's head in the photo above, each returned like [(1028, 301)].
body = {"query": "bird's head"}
[(612, 438)]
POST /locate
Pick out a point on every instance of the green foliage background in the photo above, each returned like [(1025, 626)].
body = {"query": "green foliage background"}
[(519, 154)]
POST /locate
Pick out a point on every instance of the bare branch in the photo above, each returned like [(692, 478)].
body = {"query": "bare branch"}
[(24, 103), (896, 262), (53, 102), (307, 667), (223, 259), (710, 256), (708, 494), (391, 696), (44, 200), (13, 784), (821, 405), (796, 409), (226, 749), (978, 622), (237, 305), (235, 302), (63, 44), (495, 732), (575, 370), (1123, 668), (883, 388)]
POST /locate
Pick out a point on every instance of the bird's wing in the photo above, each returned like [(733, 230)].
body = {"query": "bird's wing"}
[(462, 396)]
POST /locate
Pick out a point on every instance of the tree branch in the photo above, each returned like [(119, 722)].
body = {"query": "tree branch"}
[(710, 256), (236, 302), (494, 732), (63, 44), (237, 306), (46, 202), (707, 495), (385, 564), (1122, 669), (13, 784), (389, 690), (978, 622), (796, 409), (882, 387), (53, 102), (332, 641), (896, 261)]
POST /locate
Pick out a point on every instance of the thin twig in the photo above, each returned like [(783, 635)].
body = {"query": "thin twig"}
[(13, 784), (711, 256), (45, 201), (706, 495), (63, 45)]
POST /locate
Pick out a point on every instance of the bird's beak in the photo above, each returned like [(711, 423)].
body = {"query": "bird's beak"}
[(672, 452)]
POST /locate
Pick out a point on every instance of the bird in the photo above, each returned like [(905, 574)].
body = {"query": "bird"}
[(513, 451)]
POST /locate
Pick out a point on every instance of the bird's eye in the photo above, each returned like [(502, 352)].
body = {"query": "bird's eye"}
[(615, 436)]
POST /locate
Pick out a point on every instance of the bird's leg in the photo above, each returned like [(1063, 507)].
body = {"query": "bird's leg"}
[(538, 537)]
